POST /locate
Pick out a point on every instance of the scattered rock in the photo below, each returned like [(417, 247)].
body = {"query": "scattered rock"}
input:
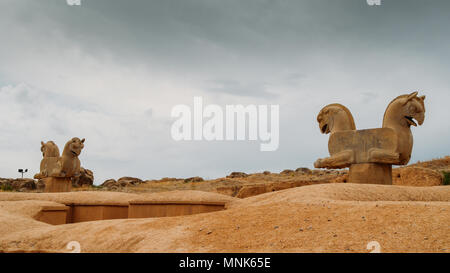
[(165, 179), (193, 179), (86, 178), (110, 184), (237, 175), (287, 172), (23, 184), (303, 170), (266, 172), (128, 181)]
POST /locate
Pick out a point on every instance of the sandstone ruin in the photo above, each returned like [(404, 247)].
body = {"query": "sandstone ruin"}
[(57, 171), (371, 153)]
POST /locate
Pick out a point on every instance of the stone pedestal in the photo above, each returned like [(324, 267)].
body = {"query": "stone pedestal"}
[(57, 184), (370, 173)]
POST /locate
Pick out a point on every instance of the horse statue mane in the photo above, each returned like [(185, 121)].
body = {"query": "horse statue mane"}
[(66, 165), (335, 117)]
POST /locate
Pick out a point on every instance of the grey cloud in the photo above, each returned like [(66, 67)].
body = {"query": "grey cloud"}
[(233, 87), (301, 55)]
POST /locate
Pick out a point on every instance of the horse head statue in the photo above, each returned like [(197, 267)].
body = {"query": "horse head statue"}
[(335, 117), (73, 147), (49, 149), (403, 110), (400, 115), (66, 165), (332, 119)]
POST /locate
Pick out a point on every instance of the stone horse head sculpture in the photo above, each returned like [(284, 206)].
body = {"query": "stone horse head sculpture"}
[(49, 149), (50, 153), (399, 116), (67, 165), (335, 118)]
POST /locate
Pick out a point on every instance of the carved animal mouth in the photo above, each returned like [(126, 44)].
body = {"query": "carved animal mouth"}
[(411, 121), (74, 153), (325, 129)]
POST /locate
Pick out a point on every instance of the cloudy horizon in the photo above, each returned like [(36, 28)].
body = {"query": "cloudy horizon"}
[(111, 71)]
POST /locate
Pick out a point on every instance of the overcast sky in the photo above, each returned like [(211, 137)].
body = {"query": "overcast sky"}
[(110, 71)]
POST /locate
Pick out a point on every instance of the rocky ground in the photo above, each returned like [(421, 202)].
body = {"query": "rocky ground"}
[(85, 180), (240, 184), (293, 211), (336, 217)]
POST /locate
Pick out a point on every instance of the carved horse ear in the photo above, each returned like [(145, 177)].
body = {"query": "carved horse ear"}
[(82, 141), (422, 97), (42, 143), (410, 97)]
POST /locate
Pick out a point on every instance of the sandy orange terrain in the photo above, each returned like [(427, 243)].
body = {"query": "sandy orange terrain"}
[(336, 217)]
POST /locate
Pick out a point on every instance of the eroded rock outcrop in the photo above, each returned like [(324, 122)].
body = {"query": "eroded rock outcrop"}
[(86, 178), (194, 179), (112, 184), (19, 184), (237, 175)]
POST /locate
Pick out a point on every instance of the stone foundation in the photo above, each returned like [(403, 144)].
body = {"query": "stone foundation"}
[(57, 184), (148, 209), (370, 173), (82, 212)]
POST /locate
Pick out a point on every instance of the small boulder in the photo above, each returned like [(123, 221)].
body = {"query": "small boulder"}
[(287, 172), (128, 181), (303, 170), (86, 178), (237, 175), (110, 184), (166, 179), (23, 184), (193, 179)]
